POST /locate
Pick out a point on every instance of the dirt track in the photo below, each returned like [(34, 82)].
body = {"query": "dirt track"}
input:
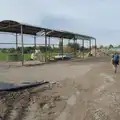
[(85, 90)]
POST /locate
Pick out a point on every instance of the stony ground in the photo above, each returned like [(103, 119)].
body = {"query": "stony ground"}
[(85, 90)]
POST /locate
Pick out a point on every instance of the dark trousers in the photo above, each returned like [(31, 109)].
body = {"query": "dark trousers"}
[(115, 62)]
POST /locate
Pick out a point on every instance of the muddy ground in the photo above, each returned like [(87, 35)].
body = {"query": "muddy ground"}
[(84, 90)]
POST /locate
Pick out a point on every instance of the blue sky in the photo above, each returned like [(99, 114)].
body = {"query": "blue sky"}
[(97, 18)]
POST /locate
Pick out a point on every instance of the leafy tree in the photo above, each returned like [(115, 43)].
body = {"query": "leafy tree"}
[(12, 50), (110, 46), (101, 46), (74, 45), (4, 50), (82, 48)]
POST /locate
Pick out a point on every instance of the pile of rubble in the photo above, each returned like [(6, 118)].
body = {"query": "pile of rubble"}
[(39, 102)]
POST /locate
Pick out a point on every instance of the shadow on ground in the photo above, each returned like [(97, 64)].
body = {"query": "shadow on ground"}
[(4, 85), (24, 85)]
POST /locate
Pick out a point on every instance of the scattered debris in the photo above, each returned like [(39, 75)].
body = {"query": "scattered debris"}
[(42, 99)]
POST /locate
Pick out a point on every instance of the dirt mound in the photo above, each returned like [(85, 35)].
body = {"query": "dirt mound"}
[(44, 103), (29, 103), (98, 53)]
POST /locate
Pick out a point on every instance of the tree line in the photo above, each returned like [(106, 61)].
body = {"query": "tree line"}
[(109, 46), (27, 50)]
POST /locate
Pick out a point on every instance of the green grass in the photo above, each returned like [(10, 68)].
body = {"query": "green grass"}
[(4, 56), (27, 56)]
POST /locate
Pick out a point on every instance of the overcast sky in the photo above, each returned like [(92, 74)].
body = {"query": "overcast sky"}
[(97, 18)]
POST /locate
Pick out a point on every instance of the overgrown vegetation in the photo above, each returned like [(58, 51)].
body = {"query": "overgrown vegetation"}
[(28, 50), (69, 48)]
